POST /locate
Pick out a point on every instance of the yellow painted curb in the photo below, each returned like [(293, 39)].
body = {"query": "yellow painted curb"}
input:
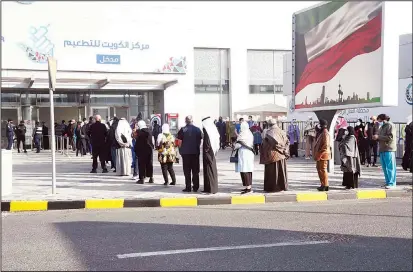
[(368, 194), (179, 202), (316, 196), (251, 199), (17, 206), (104, 203)]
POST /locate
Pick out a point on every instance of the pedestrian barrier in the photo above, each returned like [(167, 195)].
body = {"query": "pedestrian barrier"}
[(400, 135), (63, 144), (17, 206)]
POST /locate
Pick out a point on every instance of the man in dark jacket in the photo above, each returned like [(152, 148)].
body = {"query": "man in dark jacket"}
[(190, 150), (70, 131), (372, 145), (21, 136), (156, 130), (408, 147), (222, 129), (9, 134), (97, 134), (37, 136), (86, 127)]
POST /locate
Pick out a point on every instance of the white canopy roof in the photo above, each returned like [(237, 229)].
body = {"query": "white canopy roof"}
[(38, 79), (263, 112)]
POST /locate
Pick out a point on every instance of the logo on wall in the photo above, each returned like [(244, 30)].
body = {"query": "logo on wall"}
[(174, 65), (409, 94), (39, 47)]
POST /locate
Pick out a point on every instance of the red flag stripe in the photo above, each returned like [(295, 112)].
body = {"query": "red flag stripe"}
[(363, 41)]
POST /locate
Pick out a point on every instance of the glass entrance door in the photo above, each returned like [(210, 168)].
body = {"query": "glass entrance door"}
[(104, 112)]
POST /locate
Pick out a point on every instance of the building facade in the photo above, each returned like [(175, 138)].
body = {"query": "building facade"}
[(126, 58)]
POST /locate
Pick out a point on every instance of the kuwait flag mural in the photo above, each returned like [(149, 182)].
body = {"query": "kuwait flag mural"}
[(338, 54)]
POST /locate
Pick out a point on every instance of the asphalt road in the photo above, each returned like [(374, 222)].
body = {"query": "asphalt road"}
[(338, 235)]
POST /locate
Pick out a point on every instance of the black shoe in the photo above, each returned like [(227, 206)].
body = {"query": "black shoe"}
[(195, 190), (326, 188), (166, 183), (25, 151), (114, 171), (246, 191), (140, 181), (105, 170), (321, 188), (186, 190), (18, 151), (172, 183), (374, 165), (93, 172), (151, 180), (205, 192)]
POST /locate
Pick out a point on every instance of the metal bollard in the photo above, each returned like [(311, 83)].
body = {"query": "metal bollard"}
[(67, 146), (62, 144)]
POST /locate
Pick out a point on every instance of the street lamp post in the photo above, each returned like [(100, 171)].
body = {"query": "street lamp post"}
[(52, 69)]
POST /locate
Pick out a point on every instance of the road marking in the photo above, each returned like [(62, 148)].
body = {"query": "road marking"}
[(193, 250)]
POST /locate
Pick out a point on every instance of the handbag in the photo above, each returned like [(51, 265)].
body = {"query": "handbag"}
[(234, 157)]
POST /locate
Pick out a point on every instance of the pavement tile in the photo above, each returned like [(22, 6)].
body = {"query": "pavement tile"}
[(32, 180)]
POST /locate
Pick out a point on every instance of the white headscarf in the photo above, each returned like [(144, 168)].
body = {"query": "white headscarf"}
[(125, 129), (142, 124), (245, 136), (211, 129), (165, 130)]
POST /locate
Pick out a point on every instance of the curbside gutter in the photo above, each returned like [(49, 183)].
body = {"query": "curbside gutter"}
[(91, 204)]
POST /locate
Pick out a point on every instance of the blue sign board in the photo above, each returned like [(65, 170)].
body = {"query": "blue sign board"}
[(107, 59)]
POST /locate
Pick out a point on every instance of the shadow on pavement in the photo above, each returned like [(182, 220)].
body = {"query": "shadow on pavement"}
[(99, 243)]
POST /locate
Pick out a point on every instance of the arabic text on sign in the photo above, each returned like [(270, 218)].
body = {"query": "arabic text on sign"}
[(107, 59), (111, 45)]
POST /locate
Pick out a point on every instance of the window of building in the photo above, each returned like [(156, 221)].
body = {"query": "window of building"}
[(211, 70), (265, 71)]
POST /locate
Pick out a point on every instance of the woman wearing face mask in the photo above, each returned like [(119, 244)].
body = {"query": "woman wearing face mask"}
[(322, 153), (361, 140), (350, 159)]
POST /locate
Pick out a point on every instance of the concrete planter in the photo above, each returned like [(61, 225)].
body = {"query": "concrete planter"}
[(6, 172)]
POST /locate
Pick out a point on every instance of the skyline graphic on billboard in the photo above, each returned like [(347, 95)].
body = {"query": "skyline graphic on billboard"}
[(338, 55)]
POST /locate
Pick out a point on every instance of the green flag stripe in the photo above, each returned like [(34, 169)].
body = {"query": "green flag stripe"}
[(307, 20)]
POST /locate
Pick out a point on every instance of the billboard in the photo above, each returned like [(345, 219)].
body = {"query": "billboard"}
[(108, 37), (338, 57)]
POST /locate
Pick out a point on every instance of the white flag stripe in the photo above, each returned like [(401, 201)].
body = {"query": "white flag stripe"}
[(339, 25)]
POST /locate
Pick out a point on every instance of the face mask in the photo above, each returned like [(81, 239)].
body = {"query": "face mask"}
[(346, 132), (358, 123), (380, 123)]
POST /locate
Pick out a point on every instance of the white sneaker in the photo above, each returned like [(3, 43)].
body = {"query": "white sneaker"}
[(307, 158), (390, 187)]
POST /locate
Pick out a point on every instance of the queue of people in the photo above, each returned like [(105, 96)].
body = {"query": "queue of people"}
[(129, 148)]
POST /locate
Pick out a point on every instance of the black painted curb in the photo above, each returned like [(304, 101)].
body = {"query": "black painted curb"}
[(341, 195), (225, 200)]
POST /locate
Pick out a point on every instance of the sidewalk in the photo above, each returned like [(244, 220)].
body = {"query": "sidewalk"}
[(32, 180)]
